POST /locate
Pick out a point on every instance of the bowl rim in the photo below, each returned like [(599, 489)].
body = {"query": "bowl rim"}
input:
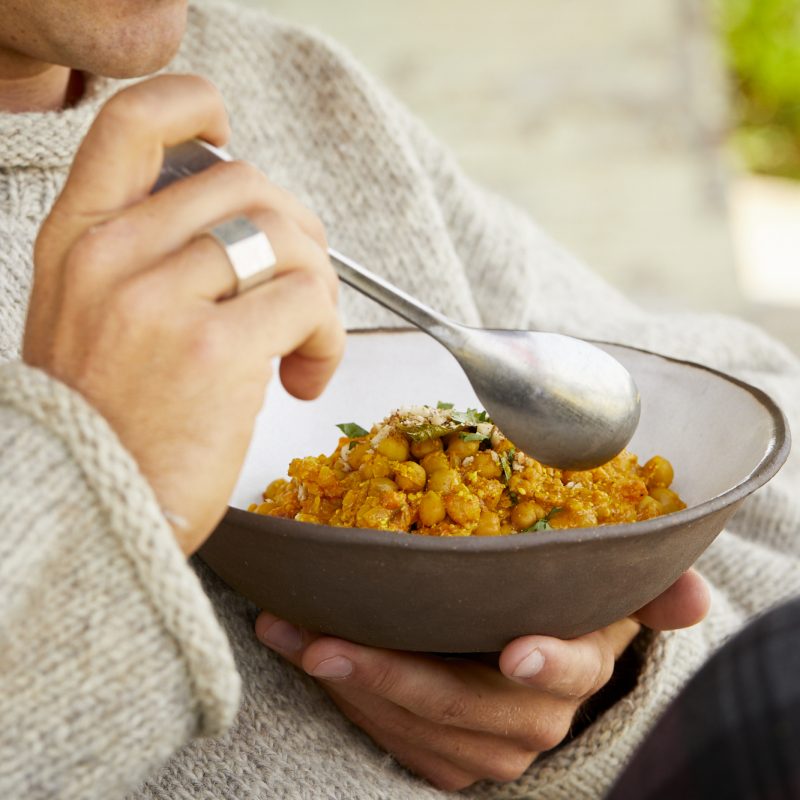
[(775, 456)]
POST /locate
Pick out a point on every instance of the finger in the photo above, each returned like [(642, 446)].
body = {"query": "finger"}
[(684, 604), (488, 704), (569, 669), (458, 693), (291, 315), (202, 268), (121, 156), (116, 164), (283, 637), (449, 758), (162, 223), (141, 121)]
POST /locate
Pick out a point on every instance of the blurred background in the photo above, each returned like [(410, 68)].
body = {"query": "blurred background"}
[(659, 141)]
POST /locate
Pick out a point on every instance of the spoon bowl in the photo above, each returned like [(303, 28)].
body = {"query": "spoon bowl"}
[(564, 400)]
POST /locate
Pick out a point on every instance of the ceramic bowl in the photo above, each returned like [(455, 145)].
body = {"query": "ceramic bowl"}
[(405, 591)]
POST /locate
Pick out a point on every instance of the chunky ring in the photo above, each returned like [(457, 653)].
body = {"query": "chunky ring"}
[(249, 251)]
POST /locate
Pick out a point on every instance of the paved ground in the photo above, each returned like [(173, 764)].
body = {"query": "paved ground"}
[(601, 117)]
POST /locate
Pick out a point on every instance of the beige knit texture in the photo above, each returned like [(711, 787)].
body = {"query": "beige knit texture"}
[(111, 660)]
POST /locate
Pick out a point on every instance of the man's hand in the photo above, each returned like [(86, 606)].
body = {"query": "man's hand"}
[(455, 722), (126, 302)]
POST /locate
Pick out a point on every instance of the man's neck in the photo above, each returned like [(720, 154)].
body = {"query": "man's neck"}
[(30, 86)]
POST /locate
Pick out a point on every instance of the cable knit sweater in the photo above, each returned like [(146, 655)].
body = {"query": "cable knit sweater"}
[(125, 671)]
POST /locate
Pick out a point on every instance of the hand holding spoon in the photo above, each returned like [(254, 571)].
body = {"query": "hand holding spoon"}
[(561, 400)]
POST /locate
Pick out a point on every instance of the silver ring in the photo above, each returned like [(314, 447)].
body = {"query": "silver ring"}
[(249, 251)]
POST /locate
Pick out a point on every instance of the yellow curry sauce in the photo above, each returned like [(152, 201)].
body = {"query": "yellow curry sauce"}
[(439, 472)]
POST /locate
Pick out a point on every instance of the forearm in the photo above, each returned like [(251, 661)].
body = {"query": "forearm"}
[(110, 656)]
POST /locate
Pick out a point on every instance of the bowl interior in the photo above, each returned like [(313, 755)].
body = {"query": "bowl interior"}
[(714, 430)]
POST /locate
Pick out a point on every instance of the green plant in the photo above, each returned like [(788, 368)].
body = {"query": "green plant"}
[(762, 43)]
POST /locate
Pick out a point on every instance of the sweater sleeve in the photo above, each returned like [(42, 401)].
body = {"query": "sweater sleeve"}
[(521, 278), (111, 657)]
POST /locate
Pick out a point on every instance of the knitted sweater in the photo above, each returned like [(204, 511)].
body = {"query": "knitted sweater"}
[(125, 671)]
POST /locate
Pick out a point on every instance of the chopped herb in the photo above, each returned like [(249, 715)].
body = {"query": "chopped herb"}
[(470, 417), (421, 433), (544, 523), (352, 430), (351, 445), (505, 466), (513, 497), (474, 437), (456, 421)]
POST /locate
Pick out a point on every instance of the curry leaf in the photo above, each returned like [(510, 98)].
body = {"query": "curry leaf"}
[(421, 433), (474, 437), (506, 467), (470, 417), (544, 523), (352, 430)]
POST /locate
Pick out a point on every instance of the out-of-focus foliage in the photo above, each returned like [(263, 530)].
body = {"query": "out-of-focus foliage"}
[(762, 39)]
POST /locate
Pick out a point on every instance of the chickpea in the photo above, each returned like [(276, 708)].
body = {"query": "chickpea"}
[(379, 486), (658, 472), (394, 447), (458, 447), (520, 485), (488, 525), (462, 507), (667, 498), (375, 467), (486, 466), (431, 509), (434, 462), (410, 476), (443, 481), (421, 449), (525, 514), (648, 508)]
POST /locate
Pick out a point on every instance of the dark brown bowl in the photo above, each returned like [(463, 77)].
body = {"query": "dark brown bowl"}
[(472, 594)]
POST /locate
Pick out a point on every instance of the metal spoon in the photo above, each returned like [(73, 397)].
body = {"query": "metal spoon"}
[(561, 400)]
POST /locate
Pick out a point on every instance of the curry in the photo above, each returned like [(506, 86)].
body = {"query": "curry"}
[(439, 472)]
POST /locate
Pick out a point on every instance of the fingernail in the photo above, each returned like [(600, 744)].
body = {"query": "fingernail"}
[(334, 668), (530, 665), (283, 636)]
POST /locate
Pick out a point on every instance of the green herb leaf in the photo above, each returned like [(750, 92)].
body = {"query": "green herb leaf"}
[(444, 406), (352, 430), (470, 417), (421, 433), (506, 466), (544, 523), (474, 437)]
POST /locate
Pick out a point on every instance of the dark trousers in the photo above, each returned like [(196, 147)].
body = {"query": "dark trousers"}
[(734, 731)]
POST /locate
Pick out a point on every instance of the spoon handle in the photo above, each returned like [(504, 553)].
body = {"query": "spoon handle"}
[(441, 328)]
